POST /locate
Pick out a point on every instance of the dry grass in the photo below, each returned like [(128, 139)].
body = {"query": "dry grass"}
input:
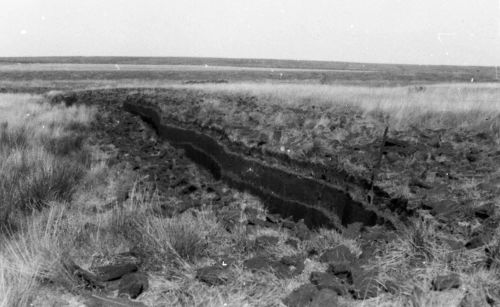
[(35, 254), (184, 234), (31, 178), (183, 237), (44, 146), (328, 238), (417, 257), (431, 106), (436, 106), (41, 153), (40, 163)]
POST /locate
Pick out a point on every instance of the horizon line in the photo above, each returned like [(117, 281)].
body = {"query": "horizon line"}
[(239, 58)]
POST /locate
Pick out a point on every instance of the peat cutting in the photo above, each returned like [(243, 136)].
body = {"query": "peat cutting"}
[(284, 191)]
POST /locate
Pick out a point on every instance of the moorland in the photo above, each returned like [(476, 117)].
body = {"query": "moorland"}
[(170, 182)]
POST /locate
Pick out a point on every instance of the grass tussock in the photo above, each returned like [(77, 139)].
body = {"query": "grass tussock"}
[(41, 154), (420, 255), (181, 234), (42, 161), (34, 255), (31, 178), (184, 237)]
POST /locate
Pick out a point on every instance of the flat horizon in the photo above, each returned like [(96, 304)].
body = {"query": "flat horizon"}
[(221, 58)]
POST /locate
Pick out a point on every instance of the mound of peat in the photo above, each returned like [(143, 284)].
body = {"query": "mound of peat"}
[(323, 197)]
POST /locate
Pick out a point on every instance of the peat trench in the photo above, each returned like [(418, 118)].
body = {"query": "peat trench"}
[(289, 194)]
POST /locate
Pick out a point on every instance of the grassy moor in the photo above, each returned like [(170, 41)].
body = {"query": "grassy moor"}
[(135, 181)]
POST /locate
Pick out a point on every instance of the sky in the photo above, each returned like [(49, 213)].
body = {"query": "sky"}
[(448, 32)]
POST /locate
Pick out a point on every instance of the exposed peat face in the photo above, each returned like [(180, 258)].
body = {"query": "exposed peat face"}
[(284, 192), (322, 196)]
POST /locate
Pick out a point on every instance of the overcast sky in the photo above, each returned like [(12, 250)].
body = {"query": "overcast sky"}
[(387, 31)]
